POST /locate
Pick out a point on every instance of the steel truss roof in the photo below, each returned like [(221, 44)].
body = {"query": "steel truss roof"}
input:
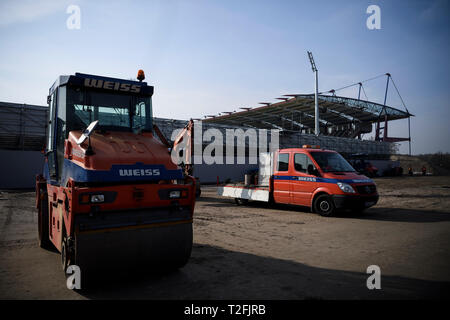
[(297, 113)]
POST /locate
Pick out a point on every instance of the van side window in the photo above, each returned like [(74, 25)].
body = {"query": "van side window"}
[(283, 162), (300, 162)]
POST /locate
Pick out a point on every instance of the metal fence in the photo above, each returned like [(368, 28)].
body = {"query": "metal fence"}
[(339, 144), (293, 139), (22, 126)]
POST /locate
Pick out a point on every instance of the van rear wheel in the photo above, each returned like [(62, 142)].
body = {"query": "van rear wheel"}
[(324, 205), (240, 201)]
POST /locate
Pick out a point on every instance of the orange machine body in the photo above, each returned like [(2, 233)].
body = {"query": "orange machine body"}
[(115, 182)]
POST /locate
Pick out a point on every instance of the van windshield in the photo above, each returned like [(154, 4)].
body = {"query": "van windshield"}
[(332, 162)]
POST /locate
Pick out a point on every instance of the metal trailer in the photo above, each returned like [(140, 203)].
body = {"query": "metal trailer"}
[(258, 192)]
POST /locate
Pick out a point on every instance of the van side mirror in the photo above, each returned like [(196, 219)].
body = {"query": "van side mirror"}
[(312, 170)]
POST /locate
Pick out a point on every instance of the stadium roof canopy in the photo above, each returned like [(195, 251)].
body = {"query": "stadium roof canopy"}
[(296, 112)]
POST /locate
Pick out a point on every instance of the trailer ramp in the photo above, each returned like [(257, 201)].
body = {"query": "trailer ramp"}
[(257, 193)]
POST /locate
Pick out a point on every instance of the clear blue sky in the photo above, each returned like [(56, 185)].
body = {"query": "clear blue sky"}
[(205, 57)]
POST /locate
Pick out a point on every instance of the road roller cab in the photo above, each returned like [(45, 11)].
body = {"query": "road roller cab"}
[(109, 190)]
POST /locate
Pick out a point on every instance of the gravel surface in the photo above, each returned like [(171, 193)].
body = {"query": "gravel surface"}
[(261, 252)]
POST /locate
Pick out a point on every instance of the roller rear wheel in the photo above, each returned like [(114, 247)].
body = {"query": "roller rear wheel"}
[(43, 224)]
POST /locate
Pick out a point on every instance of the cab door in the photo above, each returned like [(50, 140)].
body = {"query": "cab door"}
[(303, 184), (281, 179), (50, 144)]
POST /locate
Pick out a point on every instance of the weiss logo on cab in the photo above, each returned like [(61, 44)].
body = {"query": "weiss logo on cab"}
[(111, 85), (139, 172)]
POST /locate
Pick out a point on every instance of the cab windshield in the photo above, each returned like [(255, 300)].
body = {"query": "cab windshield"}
[(332, 162), (115, 111)]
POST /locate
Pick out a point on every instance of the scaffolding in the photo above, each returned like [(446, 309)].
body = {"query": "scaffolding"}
[(23, 127), (293, 139)]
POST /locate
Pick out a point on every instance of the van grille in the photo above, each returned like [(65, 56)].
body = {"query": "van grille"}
[(367, 189)]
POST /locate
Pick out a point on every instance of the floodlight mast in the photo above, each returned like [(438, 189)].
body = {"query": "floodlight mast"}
[(316, 92)]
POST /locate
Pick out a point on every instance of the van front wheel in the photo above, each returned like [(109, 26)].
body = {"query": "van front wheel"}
[(324, 205)]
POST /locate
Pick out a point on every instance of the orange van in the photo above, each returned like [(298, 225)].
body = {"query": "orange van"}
[(310, 176)]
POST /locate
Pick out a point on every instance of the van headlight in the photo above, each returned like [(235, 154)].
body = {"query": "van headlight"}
[(345, 187)]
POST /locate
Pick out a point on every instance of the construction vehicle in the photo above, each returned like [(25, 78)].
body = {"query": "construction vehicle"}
[(310, 176), (109, 192), (183, 146)]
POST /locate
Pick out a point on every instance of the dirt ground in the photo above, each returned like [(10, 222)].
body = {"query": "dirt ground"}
[(258, 252)]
